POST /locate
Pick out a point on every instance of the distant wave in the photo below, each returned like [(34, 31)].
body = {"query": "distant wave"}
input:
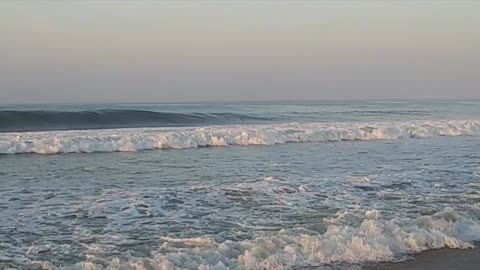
[(389, 112), (14, 121), (136, 139)]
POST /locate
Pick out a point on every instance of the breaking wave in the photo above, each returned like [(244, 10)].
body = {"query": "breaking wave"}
[(136, 139), (14, 121), (373, 240)]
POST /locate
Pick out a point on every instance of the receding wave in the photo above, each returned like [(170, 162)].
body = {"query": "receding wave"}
[(136, 139), (15, 121)]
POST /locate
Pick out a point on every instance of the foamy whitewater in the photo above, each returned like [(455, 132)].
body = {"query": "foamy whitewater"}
[(123, 140), (326, 186)]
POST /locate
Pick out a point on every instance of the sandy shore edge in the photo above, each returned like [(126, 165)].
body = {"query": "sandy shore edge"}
[(440, 259)]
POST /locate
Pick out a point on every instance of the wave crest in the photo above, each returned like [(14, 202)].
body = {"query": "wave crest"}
[(119, 140)]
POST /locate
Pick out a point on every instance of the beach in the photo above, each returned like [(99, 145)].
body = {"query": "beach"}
[(442, 259)]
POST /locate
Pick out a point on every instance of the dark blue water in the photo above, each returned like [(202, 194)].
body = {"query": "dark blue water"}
[(95, 116)]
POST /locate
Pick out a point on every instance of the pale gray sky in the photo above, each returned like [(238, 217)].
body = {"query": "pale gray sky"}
[(99, 51)]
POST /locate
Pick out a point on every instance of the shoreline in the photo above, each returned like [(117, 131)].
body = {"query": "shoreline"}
[(439, 259)]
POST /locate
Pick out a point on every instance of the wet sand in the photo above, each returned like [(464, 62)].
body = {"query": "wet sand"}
[(442, 259)]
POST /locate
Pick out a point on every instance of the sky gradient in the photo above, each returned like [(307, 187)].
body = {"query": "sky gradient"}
[(87, 51)]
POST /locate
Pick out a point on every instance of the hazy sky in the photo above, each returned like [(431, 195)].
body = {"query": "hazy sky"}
[(99, 51)]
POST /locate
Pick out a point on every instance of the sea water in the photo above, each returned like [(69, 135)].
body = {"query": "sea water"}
[(265, 185)]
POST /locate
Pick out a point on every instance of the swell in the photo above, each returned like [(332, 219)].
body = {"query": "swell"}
[(20, 121), (137, 139)]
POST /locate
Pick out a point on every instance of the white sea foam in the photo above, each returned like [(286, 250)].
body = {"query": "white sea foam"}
[(118, 140), (360, 179), (373, 240)]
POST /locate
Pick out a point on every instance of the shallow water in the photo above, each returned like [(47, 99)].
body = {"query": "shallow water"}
[(284, 206)]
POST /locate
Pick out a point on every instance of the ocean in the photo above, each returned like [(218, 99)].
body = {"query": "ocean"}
[(238, 185)]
